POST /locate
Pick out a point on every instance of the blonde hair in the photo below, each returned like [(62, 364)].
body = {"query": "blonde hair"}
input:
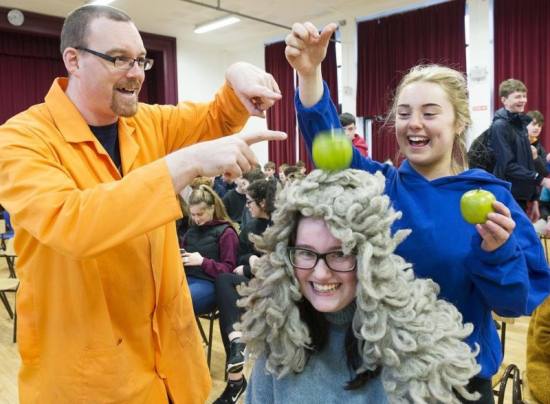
[(198, 181), (400, 324), (455, 86), (205, 194)]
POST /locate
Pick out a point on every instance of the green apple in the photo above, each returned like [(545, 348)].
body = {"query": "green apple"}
[(476, 204), (332, 151)]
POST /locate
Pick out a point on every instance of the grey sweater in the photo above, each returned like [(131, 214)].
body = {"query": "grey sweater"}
[(323, 378)]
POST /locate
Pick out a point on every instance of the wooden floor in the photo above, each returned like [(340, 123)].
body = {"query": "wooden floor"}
[(9, 357)]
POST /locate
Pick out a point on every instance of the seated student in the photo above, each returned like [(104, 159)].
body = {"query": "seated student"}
[(348, 123), (333, 315), (292, 173), (269, 171), (534, 129), (281, 173), (540, 156), (223, 184), (301, 167), (235, 199), (261, 203), (210, 244), (183, 223), (538, 353)]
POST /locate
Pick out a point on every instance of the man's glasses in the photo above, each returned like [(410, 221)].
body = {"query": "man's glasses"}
[(249, 201), (121, 62), (302, 258)]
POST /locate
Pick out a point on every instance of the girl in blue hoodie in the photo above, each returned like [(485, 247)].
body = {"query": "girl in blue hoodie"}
[(496, 266)]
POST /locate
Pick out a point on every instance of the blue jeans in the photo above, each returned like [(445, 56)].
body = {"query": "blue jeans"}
[(202, 294)]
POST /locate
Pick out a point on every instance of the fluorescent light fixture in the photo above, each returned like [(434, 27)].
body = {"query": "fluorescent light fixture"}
[(100, 2), (216, 24)]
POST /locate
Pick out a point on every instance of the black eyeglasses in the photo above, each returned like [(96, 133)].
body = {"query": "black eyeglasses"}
[(337, 261), (121, 62), (249, 201)]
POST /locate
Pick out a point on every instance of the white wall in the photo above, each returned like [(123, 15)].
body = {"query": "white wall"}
[(201, 72), (480, 66)]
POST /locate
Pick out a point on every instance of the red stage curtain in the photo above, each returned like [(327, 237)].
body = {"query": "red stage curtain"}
[(522, 51), (29, 65), (31, 62), (388, 47), (282, 115), (329, 70)]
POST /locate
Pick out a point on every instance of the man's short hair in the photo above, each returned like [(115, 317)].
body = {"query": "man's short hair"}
[(537, 117), (253, 175), (509, 86), (270, 165), (346, 119), (75, 27)]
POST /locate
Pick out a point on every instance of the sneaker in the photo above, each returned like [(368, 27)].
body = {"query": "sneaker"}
[(235, 362), (232, 392)]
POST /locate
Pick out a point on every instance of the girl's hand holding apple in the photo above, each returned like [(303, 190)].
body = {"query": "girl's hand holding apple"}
[(497, 229), (492, 218)]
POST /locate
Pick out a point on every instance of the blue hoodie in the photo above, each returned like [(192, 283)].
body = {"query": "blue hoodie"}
[(511, 281)]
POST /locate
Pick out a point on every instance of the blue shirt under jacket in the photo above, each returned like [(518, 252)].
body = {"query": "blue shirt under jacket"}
[(511, 281)]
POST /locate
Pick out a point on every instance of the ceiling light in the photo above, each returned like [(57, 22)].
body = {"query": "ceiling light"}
[(100, 2), (216, 24)]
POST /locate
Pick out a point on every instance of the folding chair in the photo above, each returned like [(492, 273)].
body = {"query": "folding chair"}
[(9, 285), (504, 321), (545, 245), (207, 339), (6, 244)]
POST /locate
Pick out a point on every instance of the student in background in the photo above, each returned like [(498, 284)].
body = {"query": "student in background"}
[(211, 244), (269, 170), (348, 123), (281, 173), (261, 203), (301, 167), (510, 142), (496, 266), (235, 200), (223, 183), (540, 156)]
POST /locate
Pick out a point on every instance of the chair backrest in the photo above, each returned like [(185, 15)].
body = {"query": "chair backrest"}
[(7, 220), (545, 245)]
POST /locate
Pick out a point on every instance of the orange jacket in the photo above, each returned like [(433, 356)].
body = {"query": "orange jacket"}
[(538, 353), (104, 314)]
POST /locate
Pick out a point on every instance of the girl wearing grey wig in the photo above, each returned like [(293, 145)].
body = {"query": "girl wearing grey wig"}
[(400, 336)]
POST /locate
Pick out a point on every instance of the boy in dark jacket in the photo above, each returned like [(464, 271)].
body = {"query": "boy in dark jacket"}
[(509, 140)]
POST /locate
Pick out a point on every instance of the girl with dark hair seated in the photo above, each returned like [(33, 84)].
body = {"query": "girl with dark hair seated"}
[(260, 201), (210, 244)]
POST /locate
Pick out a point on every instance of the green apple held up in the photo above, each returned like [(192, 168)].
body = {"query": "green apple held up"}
[(476, 204), (332, 151)]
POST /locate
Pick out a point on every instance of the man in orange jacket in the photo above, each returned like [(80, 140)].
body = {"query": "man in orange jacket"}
[(90, 178)]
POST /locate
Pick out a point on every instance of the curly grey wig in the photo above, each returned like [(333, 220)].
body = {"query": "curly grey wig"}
[(400, 324)]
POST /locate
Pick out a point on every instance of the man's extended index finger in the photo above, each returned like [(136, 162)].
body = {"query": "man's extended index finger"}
[(251, 138)]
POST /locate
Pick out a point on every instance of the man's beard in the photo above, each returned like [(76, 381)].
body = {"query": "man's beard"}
[(122, 106)]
